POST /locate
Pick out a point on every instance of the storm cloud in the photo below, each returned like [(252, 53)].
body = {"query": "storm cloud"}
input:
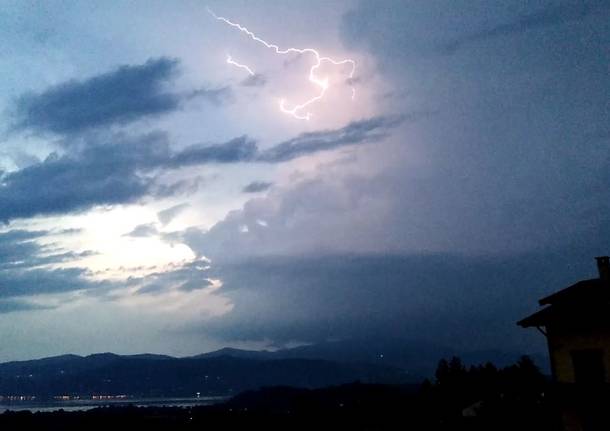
[(113, 170), (123, 95), (467, 178), (562, 13), (465, 302), (479, 210)]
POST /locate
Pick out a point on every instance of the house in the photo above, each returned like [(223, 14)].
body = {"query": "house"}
[(576, 323)]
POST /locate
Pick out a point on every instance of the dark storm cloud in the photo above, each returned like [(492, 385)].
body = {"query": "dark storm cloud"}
[(28, 267), (42, 280), (357, 132), (18, 246), (508, 183), (514, 164), (550, 16), (60, 184), (452, 299), (105, 173), (257, 186), (21, 249), (120, 96)]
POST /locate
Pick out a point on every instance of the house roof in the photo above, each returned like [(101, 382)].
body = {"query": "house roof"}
[(585, 290), (578, 316), (584, 302), (540, 318)]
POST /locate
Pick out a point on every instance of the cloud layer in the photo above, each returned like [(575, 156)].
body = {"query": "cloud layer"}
[(29, 268), (114, 169)]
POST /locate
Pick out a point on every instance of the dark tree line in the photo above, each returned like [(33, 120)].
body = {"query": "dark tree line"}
[(514, 395)]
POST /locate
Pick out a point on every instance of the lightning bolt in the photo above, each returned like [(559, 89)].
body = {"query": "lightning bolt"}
[(241, 66), (296, 110)]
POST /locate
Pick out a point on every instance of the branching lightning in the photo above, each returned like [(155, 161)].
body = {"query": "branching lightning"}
[(297, 111)]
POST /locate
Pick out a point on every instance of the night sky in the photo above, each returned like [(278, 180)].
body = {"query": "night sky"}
[(453, 168)]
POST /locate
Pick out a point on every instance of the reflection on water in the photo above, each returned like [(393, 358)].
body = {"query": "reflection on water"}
[(75, 405)]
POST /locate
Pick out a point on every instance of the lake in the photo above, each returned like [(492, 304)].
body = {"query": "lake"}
[(87, 404)]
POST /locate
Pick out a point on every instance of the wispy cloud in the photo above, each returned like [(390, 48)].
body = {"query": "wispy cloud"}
[(143, 231), (167, 215), (357, 132), (29, 267), (216, 96), (186, 277), (236, 150), (256, 80), (257, 186)]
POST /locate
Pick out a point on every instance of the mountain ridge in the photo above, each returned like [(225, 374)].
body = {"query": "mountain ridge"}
[(137, 376)]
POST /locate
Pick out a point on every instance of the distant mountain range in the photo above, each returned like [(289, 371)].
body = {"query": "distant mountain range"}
[(230, 371), (418, 358), (162, 376)]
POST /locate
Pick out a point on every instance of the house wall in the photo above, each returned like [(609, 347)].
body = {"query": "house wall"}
[(563, 342)]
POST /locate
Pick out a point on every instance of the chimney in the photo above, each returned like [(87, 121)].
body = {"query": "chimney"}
[(603, 266)]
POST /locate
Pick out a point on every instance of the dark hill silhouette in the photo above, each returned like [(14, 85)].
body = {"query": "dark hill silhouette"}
[(161, 376), (417, 357), (229, 370)]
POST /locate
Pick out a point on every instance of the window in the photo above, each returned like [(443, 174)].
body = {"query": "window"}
[(588, 366)]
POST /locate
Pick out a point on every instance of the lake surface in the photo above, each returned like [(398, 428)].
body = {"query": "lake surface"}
[(76, 405)]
